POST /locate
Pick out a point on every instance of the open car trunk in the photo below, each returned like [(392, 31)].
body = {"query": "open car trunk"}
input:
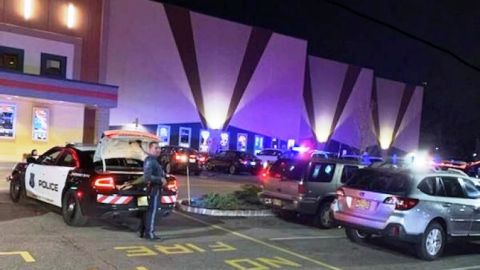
[(120, 154)]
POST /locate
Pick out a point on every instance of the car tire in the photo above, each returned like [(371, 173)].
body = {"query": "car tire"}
[(16, 189), (71, 210), (432, 243), (209, 167), (324, 217), (357, 236), (232, 169)]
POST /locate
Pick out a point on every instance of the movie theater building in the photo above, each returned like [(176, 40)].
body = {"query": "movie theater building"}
[(209, 83), (49, 74)]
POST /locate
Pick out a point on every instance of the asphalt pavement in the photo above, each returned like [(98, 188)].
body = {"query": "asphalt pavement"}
[(34, 236)]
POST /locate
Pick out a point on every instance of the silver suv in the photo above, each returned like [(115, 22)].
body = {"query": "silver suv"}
[(425, 208), (306, 186)]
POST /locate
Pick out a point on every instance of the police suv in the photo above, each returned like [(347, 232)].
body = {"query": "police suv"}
[(89, 181)]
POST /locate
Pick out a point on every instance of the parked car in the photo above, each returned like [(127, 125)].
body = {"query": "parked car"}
[(306, 186), (424, 208), (269, 156), (234, 162), (175, 159)]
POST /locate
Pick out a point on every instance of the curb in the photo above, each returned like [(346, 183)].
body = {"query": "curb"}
[(223, 213)]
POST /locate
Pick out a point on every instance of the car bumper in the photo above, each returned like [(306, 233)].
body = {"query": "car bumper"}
[(94, 209), (394, 231), (296, 204)]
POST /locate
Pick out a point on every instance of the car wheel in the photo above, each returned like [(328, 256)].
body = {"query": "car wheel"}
[(71, 211), (168, 168), (15, 189), (324, 217), (232, 169), (209, 166), (432, 243), (357, 236)]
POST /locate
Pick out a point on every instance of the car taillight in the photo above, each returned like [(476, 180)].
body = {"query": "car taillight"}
[(171, 186), (301, 188), (400, 203), (181, 158), (340, 193), (104, 183), (201, 159)]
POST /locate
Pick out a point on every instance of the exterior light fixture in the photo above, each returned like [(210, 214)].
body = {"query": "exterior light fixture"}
[(27, 9), (385, 140), (71, 16)]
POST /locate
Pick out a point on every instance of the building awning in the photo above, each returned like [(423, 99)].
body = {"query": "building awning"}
[(34, 86)]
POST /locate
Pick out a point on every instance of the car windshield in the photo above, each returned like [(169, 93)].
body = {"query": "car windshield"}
[(381, 181)]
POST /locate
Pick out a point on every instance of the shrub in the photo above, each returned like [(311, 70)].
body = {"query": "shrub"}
[(245, 199)]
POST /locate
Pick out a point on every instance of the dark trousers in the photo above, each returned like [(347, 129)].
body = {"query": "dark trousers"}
[(149, 218)]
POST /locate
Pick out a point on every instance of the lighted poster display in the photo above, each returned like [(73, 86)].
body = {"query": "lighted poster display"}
[(204, 140), (258, 144), (224, 140), (274, 143), (242, 140), (40, 124), (185, 136), (7, 121), (290, 143), (163, 133)]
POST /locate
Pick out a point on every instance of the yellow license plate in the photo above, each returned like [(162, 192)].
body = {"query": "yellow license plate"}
[(142, 201), (362, 204)]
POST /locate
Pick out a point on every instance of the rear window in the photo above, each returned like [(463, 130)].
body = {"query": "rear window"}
[(269, 153), (288, 169), (321, 172), (380, 181)]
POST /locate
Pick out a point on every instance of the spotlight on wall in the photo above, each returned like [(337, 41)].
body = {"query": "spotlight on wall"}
[(71, 16), (322, 134), (27, 9), (385, 140)]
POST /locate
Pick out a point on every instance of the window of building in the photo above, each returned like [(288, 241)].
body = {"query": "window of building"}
[(53, 65), (11, 58)]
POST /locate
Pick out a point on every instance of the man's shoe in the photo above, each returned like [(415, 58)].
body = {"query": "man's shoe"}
[(153, 237)]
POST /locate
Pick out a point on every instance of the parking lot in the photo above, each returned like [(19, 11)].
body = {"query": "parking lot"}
[(35, 237)]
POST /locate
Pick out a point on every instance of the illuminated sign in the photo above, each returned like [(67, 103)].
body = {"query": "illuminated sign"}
[(242, 139), (258, 144), (224, 140), (204, 140), (185, 137), (7, 121), (163, 133), (40, 124)]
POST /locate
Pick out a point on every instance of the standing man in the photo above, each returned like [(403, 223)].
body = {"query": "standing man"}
[(154, 175)]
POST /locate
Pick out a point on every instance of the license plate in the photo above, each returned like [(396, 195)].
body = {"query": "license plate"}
[(142, 201), (277, 202), (362, 204), (192, 160)]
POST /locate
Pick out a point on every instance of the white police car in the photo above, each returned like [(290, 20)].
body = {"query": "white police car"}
[(88, 181)]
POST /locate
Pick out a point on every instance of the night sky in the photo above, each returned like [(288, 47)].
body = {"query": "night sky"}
[(436, 42)]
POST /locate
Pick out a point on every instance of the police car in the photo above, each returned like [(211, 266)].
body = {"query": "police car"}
[(89, 181)]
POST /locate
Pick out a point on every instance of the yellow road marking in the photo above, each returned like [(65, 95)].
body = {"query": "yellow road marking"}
[(141, 268), (26, 256), (260, 242)]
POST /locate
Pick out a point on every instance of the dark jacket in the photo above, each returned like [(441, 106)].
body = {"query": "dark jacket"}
[(153, 172)]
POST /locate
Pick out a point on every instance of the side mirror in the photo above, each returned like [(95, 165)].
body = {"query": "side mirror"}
[(31, 160)]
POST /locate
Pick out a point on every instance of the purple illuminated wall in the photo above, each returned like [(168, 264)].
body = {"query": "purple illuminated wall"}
[(143, 60), (176, 66), (272, 103)]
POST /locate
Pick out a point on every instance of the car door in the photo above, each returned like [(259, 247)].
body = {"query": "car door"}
[(455, 203), (56, 176), (35, 174), (472, 190)]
